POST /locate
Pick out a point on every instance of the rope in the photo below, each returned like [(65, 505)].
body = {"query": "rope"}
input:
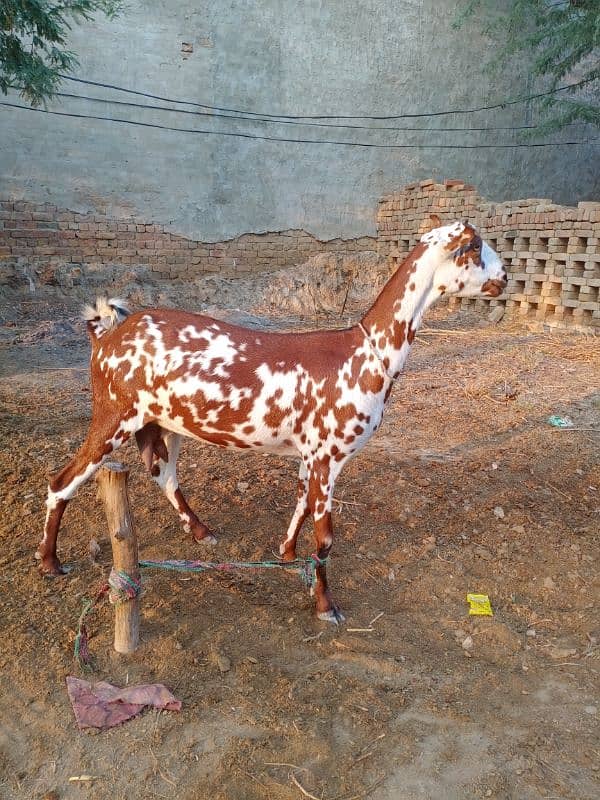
[(305, 567), (81, 652), (122, 587)]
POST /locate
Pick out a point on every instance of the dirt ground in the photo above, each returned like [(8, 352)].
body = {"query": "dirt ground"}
[(465, 488)]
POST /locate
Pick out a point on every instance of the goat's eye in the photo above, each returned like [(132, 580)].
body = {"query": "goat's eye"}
[(477, 248)]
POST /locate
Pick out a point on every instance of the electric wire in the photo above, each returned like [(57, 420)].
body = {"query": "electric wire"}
[(240, 135), (219, 115), (473, 110)]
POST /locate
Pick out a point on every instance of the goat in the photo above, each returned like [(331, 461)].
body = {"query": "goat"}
[(320, 396)]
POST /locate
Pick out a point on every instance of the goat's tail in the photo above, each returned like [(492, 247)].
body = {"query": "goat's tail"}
[(106, 314)]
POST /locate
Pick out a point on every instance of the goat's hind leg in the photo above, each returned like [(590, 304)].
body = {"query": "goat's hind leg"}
[(100, 442), (159, 449)]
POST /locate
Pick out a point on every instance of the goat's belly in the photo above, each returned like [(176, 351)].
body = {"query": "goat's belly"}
[(236, 439)]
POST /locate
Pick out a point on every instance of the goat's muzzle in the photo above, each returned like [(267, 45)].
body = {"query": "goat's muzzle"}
[(493, 288)]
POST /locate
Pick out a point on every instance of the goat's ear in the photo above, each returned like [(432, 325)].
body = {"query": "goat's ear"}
[(464, 237), (436, 222)]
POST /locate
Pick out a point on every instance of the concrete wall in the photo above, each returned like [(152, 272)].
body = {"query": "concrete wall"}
[(278, 56)]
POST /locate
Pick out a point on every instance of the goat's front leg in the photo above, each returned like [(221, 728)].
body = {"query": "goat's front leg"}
[(288, 547), (320, 494)]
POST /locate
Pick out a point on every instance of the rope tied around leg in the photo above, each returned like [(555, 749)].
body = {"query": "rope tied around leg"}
[(308, 572)]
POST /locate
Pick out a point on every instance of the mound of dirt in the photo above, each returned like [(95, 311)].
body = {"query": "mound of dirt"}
[(328, 283)]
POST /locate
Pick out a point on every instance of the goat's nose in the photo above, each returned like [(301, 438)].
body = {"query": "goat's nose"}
[(493, 287)]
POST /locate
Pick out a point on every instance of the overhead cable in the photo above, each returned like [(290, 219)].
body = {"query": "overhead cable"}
[(218, 115), (298, 141), (473, 110)]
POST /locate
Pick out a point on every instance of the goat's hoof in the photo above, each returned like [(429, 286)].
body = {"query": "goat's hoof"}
[(207, 539), (202, 534), (287, 556), (54, 569), (334, 615)]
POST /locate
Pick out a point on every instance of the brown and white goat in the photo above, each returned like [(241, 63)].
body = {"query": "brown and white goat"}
[(319, 396)]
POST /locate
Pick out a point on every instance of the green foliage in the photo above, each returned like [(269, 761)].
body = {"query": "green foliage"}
[(33, 35), (557, 41)]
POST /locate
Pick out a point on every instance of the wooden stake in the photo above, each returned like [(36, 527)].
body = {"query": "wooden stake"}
[(112, 490)]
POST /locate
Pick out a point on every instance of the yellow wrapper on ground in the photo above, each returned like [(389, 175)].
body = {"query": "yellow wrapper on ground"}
[(479, 605)]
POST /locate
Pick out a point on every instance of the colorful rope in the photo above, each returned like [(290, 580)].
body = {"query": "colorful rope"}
[(81, 652), (122, 587), (305, 567)]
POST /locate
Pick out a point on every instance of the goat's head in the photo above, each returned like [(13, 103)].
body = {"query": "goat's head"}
[(468, 266)]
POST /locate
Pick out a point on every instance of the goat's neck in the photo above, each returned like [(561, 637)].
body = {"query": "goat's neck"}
[(393, 319)]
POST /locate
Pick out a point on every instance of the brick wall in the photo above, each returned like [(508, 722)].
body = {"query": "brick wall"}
[(552, 252), (43, 234)]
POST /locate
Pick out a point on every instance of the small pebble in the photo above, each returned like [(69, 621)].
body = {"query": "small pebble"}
[(499, 512), (223, 663), (531, 632), (467, 643), (591, 710), (93, 550)]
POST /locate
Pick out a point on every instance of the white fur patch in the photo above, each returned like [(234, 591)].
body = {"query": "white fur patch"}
[(106, 313)]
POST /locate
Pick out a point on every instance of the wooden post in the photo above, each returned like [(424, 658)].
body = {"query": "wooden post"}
[(112, 490)]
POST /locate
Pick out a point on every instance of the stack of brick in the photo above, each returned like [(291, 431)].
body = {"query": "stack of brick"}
[(42, 234), (551, 252)]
